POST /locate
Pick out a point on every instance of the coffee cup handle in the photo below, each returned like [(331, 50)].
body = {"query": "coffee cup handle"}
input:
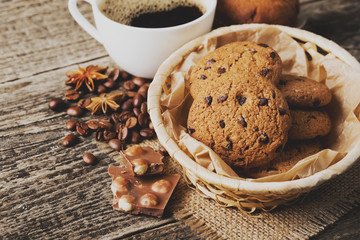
[(82, 21)]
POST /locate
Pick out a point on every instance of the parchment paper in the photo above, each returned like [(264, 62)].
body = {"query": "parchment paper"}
[(338, 76)]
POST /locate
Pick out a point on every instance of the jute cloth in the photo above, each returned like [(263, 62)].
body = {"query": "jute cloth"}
[(301, 220)]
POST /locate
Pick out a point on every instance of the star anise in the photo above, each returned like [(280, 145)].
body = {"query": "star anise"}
[(104, 101), (86, 76)]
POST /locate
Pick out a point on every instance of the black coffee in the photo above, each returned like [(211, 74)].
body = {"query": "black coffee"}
[(152, 13), (177, 16)]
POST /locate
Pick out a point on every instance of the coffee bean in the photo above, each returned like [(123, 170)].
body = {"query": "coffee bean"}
[(99, 134), (147, 133), (151, 125), (106, 124), (263, 101), (57, 104), (71, 124), (135, 137), (82, 128), (123, 134), (111, 84), (114, 74), (131, 122), (93, 124), (72, 95), (69, 140), (143, 120), (222, 98), (125, 115), (264, 138), (131, 94), (129, 85), (208, 100), (124, 75), (143, 90), (136, 111), (74, 111), (138, 81), (115, 117), (108, 135), (116, 144), (127, 105), (83, 103), (138, 100), (143, 108), (89, 158), (101, 88), (118, 126), (222, 123)]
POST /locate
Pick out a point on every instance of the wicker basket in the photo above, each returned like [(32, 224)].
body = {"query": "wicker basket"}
[(228, 191)]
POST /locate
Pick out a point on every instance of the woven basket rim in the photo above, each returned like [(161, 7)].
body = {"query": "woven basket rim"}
[(285, 187)]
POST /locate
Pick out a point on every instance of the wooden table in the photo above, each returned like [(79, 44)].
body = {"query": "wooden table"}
[(46, 190)]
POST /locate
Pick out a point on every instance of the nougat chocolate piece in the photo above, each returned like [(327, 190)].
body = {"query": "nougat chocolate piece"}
[(141, 195), (143, 160)]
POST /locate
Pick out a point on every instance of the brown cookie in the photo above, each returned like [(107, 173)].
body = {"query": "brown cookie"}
[(245, 123), (308, 124), (304, 92), (294, 151), (255, 61)]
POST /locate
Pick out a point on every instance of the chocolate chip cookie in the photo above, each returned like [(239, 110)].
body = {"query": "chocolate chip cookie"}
[(240, 113), (294, 151), (304, 92), (308, 124), (256, 61)]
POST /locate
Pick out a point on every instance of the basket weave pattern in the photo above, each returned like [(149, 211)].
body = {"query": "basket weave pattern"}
[(232, 192)]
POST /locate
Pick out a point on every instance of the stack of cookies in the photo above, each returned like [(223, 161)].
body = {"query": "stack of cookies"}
[(241, 110)]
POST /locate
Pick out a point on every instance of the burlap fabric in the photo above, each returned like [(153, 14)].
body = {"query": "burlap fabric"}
[(301, 220)]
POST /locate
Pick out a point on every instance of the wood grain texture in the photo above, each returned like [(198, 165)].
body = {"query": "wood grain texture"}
[(38, 36), (46, 190)]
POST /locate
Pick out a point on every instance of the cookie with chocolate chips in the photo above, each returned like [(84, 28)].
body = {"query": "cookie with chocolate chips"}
[(308, 124), (294, 151), (304, 92), (240, 113), (257, 60)]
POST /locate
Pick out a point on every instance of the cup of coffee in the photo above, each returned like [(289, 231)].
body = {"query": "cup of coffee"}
[(140, 34)]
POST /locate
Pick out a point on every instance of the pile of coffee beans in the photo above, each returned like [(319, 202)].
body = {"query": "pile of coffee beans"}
[(129, 124)]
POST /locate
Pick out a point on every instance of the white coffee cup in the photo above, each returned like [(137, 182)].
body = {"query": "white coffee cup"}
[(140, 51)]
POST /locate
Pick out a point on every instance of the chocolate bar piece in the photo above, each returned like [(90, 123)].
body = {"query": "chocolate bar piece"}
[(143, 160), (141, 195)]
